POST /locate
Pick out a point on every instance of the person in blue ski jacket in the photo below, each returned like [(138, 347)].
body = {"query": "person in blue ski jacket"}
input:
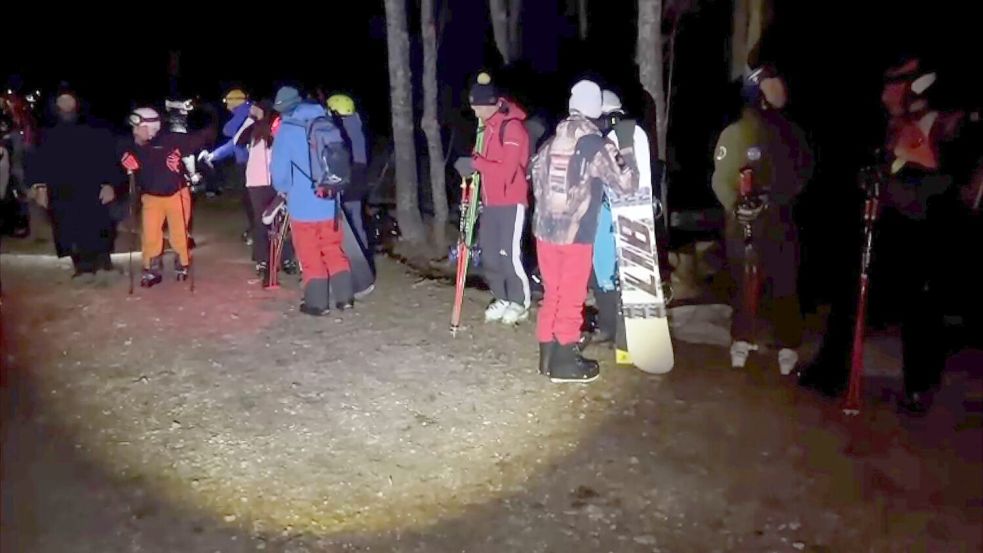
[(239, 105), (316, 238)]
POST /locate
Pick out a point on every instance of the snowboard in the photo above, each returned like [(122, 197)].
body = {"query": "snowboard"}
[(643, 335), (363, 279)]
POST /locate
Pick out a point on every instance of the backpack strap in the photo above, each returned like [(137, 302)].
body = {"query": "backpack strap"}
[(625, 131)]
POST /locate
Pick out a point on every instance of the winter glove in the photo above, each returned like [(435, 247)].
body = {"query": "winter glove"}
[(130, 162), (206, 156), (464, 166), (106, 194)]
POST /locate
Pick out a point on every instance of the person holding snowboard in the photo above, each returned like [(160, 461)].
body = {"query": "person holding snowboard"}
[(317, 238), (504, 195), (571, 172), (159, 161), (623, 132), (775, 152)]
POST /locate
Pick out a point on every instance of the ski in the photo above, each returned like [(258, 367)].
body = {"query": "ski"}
[(470, 198)]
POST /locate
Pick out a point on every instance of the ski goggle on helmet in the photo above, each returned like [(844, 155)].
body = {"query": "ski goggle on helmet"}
[(148, 117), (341, 104)]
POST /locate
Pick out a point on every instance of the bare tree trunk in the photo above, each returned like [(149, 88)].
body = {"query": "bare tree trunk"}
[(582, 15), (500, 27), (407, 204), (438, 186), (738, 39), (515, 35), (650, 70), (751, 18)]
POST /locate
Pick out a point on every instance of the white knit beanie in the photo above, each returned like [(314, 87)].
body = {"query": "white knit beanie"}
[(585, 97)]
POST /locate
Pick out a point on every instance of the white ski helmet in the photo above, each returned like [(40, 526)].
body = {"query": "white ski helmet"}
[(145, 117), (610, 103)]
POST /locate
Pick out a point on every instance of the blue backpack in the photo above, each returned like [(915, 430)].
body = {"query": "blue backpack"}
[(331, 166)]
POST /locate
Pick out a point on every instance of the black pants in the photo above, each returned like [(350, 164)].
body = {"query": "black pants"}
[(259, 197), (903, 276), (500, 238)]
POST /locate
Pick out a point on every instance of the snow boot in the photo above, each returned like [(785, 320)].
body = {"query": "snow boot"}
[(567, 365)]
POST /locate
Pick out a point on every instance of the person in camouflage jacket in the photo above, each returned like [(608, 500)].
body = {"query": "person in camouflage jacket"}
[(570, 174)]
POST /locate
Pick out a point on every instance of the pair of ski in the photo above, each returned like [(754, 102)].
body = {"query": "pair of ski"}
[(644, 323)]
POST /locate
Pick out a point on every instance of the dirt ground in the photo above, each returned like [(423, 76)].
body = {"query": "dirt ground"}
[(224, 420)]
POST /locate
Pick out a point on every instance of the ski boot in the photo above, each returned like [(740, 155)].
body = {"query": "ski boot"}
[(566, 365), (181, 272), (342, 287), (150, 278), (262, 268), (291, 267)]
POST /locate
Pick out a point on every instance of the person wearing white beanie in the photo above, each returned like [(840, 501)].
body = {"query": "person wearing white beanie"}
[(570, 173), (586, 99)]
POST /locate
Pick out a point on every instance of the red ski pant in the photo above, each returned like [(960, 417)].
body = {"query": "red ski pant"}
[(565, 270), (318, 248)]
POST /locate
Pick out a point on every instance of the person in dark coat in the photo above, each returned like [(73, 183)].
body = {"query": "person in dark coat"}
[(75, 166)]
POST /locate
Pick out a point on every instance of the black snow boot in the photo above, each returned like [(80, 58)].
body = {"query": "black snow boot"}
[(545, 353), (567, 365)]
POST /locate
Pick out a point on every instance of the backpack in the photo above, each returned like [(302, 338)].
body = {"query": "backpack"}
[(331, 166)]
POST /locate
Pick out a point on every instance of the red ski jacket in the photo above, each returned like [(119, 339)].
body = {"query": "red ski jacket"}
[(506, 156)]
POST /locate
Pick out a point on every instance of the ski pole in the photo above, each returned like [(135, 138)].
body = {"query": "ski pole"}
[(133, 221), (187, 240), (751, 270), (851, 404)]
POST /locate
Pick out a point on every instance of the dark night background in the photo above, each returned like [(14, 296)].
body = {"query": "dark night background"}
[(833, 54)]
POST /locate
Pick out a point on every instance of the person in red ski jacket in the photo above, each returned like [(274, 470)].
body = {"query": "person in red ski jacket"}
[(504, 195)]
